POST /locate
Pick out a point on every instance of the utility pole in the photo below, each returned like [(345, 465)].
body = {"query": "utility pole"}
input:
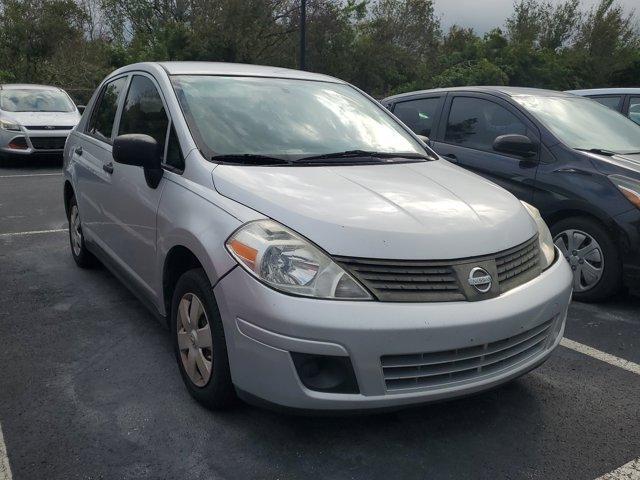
[(303, 34)]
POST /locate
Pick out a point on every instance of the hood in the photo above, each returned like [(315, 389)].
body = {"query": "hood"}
[(431, 210), (43, 118)]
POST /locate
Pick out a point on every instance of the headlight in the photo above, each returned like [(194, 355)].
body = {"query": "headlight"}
[(288, 262), (629, 187), (545, 240), (9, 126)]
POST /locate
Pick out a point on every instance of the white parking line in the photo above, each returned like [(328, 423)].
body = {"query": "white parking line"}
[(33, 232), (602, 356), (629, 471), (30, 175), (5, 469)]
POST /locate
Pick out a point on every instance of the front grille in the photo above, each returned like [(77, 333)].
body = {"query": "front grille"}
[(444, 280), (440, 369), (406, 281), (48, 143), (519, 265), (48, 127)]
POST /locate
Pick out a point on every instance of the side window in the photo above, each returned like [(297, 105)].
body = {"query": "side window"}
[(104, 113), (608, 101), (475, 123), (143, 111), (418, 114), (174, 154), (634, 109)]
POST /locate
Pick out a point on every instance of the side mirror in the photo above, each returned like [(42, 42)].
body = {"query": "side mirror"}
[(515, 144), (81, 108), (140, 151), (424, 138)]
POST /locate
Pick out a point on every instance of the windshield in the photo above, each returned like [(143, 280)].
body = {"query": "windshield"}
[(584, 124), (32, 100), (285, 118)]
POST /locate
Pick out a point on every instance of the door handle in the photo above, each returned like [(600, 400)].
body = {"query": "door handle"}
[(78, 150), (451, 156), (108, 167)]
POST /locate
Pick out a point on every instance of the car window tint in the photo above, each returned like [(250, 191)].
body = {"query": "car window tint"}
[(104, 114), (417, 114), (174, 154), (143, 111), (475, 123), (634, 109), (611, 102)]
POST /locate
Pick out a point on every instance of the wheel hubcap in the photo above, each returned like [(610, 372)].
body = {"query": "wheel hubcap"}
[(585, 257), (194, 340), (75, 230)]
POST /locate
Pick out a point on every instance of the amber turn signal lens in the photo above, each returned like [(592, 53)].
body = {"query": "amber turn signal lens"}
[(244, 252)]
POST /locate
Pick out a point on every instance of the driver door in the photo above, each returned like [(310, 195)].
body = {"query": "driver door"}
[(130, 213), (470, 124)]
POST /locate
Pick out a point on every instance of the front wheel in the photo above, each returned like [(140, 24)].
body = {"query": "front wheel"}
[(199, 341), (592, 255)]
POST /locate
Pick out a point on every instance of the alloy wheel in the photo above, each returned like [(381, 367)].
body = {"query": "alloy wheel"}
[(585, 256), (194, 339), (75, 230)]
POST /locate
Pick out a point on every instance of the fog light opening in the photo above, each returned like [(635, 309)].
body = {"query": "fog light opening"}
[(18, 143), (325, 373)]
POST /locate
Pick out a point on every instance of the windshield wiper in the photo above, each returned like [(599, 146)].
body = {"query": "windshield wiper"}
[(599, 151), (380, 156), (249, 159)]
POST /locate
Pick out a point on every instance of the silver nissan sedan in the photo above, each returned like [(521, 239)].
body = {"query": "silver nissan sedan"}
[(306, 249)]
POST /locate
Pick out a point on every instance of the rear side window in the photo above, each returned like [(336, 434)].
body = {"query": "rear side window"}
[(609, 101), (475, 123), (418, 114), (634, 109), (101, 124), (144, 111)]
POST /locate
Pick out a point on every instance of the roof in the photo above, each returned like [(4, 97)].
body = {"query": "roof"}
[(500, 90), (605, 91), (26, 86), (230, 69)]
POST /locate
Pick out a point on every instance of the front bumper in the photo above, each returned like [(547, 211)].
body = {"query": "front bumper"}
[(37, 141), (263, 326), (628, 236)]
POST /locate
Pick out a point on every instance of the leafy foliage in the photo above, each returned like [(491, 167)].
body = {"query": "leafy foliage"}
[(382, 46)]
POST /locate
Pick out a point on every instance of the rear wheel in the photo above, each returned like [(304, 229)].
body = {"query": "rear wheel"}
[(199, 341), (81, 255), (592, 255)]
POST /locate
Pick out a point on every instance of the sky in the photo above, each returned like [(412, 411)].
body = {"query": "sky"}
[(483, 15)]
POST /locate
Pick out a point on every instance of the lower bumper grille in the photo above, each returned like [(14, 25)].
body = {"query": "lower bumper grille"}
[(48, 143), (439, 369)]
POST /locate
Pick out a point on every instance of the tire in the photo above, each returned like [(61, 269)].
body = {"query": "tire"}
[(610, 267), (189, 324), (81, 255)]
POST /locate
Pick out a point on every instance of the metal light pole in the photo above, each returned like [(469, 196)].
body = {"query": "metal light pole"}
[(303, 34)]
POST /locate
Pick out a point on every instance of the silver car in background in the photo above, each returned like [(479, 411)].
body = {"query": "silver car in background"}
[(305, 247), (35, 119)]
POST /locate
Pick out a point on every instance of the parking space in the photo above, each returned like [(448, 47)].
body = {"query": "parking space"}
[(89, 389)]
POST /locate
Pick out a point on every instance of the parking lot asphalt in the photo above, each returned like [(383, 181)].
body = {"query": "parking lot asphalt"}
[(89, 389)]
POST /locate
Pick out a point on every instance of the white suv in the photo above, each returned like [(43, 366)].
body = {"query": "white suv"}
[(35, 119), (305, 247)]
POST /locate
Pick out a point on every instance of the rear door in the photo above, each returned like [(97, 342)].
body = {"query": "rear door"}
[(420, 114), (469, 125), (90, 152)]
